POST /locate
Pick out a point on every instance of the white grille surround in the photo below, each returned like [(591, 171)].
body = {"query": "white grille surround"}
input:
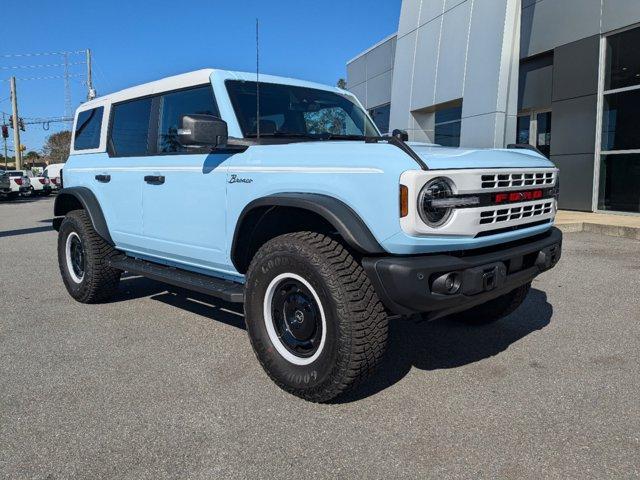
[(469, 222)]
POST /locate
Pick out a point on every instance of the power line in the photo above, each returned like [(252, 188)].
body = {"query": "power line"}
[(40, 54), (48, 77), (44, 65)]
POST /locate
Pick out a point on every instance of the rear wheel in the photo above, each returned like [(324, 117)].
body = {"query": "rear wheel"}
[(495, 309), (83, 260), (314, 320)]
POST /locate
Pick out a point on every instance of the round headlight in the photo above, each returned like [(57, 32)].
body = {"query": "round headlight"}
[(434, 215)]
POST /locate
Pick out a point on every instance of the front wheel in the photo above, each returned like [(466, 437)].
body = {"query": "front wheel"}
[(314, 320), (83, 260)]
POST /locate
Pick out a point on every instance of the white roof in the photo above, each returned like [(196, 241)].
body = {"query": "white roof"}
[(197, 77)]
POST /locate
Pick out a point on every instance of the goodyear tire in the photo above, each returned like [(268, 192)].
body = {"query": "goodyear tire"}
[(83, 260), (495, 309), (314, 320)]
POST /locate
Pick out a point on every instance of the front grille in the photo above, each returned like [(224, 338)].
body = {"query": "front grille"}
[(514, 213), (523, 179)]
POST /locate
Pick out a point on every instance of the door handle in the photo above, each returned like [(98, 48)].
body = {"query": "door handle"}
[(154, 179), (103, 178)]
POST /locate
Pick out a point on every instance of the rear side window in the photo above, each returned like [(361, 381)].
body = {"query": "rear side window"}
[(173, 106), (88, 127), (130, 128)]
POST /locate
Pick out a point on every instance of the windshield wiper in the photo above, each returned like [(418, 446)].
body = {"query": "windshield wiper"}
[(283, 135)]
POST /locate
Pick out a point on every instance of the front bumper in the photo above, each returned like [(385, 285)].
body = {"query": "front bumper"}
[(406, 284)]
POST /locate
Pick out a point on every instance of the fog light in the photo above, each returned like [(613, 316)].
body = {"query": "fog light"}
[(447, 284)]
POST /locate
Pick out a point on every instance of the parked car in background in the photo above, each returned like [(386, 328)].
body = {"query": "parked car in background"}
[(54, 173), (14, 183), (39, 185)]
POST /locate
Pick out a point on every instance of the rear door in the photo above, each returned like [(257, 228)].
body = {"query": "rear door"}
[(118, 180), (184, 192)]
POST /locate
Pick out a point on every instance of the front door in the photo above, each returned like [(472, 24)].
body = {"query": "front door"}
[(184, 189)]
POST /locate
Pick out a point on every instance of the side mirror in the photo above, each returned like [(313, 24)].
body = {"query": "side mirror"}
[(199, 130), (400, 135)]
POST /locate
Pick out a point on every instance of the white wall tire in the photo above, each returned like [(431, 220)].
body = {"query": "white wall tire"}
[(353, 322), (269, 320), (70, 244)]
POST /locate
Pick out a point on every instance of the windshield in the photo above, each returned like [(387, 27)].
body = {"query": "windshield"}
[(286, 110), (16, 173)]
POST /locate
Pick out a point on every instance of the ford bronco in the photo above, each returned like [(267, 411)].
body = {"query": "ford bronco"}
[(282, 195)]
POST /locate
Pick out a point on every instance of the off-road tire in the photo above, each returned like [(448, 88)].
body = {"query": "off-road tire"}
[(99, 282), (495, 309), (356, 322)]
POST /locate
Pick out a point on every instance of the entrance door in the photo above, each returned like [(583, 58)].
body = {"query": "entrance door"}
[(534, 128)]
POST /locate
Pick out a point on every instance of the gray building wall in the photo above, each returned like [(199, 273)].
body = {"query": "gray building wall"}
[(457, 49), (501, 57), (369, 76)]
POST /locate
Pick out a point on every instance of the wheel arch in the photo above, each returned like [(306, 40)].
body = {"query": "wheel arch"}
[(81, 198), (267, 217)]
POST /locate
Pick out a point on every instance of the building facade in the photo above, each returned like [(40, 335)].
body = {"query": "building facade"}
[(562, 75)]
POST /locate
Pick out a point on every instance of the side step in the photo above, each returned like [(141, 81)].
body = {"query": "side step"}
[(227, 290)]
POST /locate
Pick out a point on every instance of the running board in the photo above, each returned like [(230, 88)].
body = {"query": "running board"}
[(227, 290)]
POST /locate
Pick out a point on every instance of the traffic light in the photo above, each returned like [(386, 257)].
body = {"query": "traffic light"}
[(5, 131), (21, 124)]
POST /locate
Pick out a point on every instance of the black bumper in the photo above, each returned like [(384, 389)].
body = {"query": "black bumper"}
[(406, 284)]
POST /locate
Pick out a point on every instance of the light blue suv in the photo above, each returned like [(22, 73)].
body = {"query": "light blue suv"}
[(282, 195)]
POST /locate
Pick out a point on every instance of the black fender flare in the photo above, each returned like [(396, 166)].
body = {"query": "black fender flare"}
[(67, 200), (342, 217)]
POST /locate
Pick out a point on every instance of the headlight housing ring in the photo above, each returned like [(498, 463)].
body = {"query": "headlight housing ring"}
[(435, 189)]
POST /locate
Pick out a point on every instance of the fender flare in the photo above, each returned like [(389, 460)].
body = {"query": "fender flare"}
[(342, 217), (64, 203)]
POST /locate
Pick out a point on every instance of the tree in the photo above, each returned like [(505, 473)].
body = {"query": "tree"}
[(57, 146), (342, 83), (31, 155)]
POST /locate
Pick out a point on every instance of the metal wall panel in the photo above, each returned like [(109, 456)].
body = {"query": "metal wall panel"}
[(379, 89), (575, 71), (536, 84), (619, 13), (576, 181), (573, 127), (356, 72), (453, 43), (551, 23)]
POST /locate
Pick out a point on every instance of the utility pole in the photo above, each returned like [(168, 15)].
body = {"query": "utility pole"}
[(67, 89), (16, 125), (91, 93), (4, 121)]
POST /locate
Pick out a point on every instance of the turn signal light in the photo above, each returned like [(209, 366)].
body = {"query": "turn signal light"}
[(404, 201)]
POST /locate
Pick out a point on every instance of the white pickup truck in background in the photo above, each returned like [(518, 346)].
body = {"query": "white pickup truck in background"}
[(14, 182)]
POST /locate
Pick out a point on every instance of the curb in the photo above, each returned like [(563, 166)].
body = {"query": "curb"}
[(603, 229)]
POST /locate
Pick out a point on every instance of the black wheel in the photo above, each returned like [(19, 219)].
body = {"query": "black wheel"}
[(314, 319), (495, 309), (83, 260)]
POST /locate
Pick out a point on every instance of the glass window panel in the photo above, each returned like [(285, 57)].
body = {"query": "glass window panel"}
[(623, 60), (130, 128), (176, 104), (381, 116), (543, 138), (449, 114), (620, 183), (448, 134), (621, 121), (88, 125), (524, 127)]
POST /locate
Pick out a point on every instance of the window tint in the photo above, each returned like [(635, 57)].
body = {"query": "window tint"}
[(620, 121), (381, 116), (623, 60), (173, 106), (447, 126), (88, 127), (620, 182), (130, 128)]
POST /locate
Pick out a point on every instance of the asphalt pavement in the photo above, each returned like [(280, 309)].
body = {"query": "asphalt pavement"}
[(158, 385)]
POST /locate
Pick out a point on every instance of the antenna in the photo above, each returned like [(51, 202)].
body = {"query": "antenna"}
[(258, 78)]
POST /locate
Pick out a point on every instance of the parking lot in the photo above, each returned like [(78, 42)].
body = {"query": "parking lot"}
[(159, 385)]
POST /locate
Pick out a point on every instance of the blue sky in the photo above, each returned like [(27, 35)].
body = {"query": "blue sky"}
[(133, 43)]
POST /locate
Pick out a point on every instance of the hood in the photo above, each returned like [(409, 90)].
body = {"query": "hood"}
[(438, 158)]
